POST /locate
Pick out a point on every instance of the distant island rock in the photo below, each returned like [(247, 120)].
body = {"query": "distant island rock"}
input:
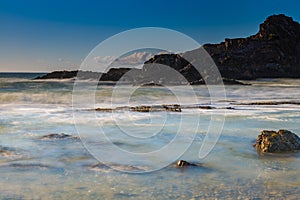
[(274, 52), (114, 74)]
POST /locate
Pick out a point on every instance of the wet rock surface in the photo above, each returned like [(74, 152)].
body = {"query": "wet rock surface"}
[(183, 163), (59, 136), (277, 142), (159, 108), (169, 108), (7, 152)]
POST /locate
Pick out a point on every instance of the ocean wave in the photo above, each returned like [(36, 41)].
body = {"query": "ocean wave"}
[(30, 97)]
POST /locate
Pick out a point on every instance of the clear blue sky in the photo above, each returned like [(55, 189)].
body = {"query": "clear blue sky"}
[(50, 35)]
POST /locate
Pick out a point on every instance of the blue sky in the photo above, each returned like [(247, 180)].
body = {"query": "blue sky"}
[(51, 35)]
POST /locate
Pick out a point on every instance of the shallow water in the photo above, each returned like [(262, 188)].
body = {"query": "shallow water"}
[(35, 168)]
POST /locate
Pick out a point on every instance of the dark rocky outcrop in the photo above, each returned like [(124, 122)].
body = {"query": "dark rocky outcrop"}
[(59, 136), (58, 75), (277, 142), (159, 108), (104, 109), (169, 108), (112, 75), (274, 52)]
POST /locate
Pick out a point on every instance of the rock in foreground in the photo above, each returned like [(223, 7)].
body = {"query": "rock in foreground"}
[(277, 142)]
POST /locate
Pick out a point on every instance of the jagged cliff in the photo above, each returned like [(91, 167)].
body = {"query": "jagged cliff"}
[(274, 52)]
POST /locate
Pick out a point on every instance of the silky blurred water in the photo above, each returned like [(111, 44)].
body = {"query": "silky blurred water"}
[(35, 168)]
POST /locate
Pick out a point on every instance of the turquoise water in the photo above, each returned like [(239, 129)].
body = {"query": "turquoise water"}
[(36, 168)]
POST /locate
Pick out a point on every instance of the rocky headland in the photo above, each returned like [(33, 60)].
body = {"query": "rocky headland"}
[(274, 52)]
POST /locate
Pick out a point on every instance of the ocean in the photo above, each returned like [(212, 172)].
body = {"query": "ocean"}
[(121, 154)]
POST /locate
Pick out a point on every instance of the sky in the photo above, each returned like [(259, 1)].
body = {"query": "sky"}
[(42, 36)]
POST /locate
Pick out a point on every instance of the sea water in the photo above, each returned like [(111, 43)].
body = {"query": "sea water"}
[(32, 167)]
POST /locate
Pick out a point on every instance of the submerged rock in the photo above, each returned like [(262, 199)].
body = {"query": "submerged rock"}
[(141, 108), (172, 107), (108, 167), (150, 84), (183, 163), (169, 108), (59, 136), (6, 152), (277, 142), (104, 109)]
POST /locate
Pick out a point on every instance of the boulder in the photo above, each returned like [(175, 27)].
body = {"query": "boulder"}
[(277, 142)]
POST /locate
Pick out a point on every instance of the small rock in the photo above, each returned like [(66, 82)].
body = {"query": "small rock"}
[(58, 136), (172, 108), (277, 142), (206, 107), (141, 109), (183, 163), (169, 108), (104, 109)]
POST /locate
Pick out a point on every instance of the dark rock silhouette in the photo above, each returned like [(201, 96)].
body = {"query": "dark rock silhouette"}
[(277, 142), (274, 52), (69, 74)]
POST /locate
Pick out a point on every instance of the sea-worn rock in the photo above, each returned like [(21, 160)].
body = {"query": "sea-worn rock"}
[(172, 107), (6, 152), (183, 163), (156, 108), (277, 142), (141, 109), (59, 136), (104, 109)]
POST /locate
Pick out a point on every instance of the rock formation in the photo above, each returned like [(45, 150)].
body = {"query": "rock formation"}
[(274, 52), (114, 74), (277, 142), (59, 136)]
